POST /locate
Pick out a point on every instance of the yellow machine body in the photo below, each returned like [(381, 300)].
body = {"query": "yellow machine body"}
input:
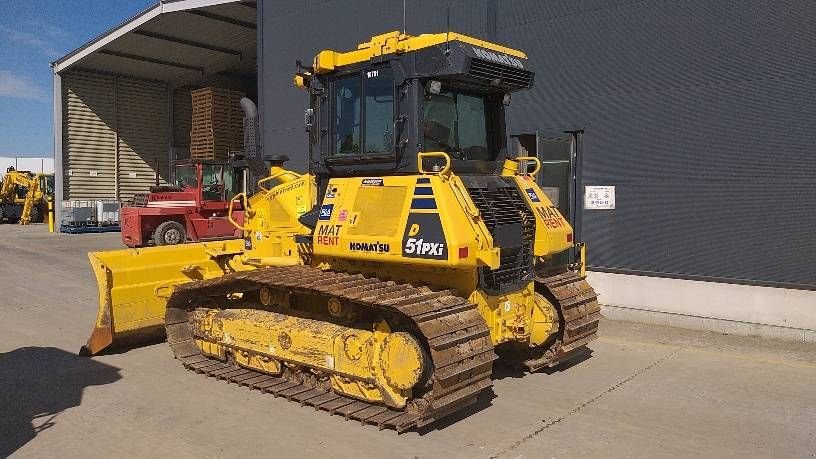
[(27, 191), (134, 285), (374, 228), (395, 42), (393, 290), (426, 229)]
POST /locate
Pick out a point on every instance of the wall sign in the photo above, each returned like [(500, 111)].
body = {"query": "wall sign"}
[(599, 197)]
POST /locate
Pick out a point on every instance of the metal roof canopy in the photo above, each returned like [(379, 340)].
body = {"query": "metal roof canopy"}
[(176, 41)]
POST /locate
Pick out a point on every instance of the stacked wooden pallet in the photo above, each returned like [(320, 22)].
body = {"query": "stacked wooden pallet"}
[(217, 124)]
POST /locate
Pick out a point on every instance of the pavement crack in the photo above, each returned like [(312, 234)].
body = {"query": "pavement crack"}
[(586, 403)]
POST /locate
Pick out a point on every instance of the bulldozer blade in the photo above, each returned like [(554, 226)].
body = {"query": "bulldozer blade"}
[(135, 284)]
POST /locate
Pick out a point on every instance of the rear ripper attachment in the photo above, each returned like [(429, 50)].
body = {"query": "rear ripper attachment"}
[(435, 362)]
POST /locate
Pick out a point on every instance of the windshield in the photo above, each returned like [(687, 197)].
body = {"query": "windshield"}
[(212, 185), (456, 123), (186, 176)]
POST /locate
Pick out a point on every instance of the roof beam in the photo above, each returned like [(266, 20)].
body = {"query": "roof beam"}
[(248, 4), (235, 75), (151, 60), (226, 19), (182, 41)]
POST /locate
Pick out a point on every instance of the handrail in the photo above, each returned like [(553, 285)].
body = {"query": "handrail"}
[(292, 176), (229, 211), (433, 154), (464, 199), (530, 158)]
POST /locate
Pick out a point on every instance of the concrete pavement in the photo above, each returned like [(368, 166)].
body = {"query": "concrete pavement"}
[(647, 391)]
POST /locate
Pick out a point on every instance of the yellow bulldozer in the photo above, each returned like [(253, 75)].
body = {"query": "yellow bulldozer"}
[(383, 284), (24, 196)]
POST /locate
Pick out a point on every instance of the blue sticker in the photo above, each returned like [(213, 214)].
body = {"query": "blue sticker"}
[(423, 203), (326, 211), (532, 194)]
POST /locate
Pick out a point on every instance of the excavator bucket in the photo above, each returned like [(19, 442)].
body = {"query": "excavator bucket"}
[(134, 285)]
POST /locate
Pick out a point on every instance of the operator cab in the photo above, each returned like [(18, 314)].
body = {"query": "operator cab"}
[(372, 110), (217, 182), (47, 184)]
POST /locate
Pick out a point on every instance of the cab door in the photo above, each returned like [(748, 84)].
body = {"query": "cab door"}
[(559, 152)]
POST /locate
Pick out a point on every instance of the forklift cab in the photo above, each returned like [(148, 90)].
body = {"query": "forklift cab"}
[(216, 182), (47, 184)]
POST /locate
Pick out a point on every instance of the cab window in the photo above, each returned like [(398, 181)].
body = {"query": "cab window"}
[(48, 185), (186, 177), (233, 182), (379, 110), (347, 128), (458, 124), (212, 182), (364, 113)]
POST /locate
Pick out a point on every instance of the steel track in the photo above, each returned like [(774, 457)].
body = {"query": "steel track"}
[(577, 304), (457, 337)]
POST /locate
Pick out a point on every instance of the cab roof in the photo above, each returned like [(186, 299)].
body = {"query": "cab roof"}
[(397, 43)]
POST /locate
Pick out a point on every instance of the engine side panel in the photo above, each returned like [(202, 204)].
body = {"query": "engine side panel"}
[(553, 233), (416, 220)]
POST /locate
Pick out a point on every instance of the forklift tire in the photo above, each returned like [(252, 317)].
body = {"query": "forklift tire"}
[(170, 233)]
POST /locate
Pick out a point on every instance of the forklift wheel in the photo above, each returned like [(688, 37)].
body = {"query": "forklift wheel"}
[(170, 233)]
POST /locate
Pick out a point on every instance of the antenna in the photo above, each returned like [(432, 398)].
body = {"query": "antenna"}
[(404, 27), (447, 31)]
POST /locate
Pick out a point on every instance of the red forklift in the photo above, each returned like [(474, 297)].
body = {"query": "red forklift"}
[(194, 209)]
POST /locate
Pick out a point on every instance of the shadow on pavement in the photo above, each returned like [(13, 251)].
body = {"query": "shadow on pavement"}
[(501, 371), (485, 400), (37, 384)]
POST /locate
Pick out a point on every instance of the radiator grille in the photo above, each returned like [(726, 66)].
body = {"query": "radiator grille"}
[(503, 206), (511, 77)]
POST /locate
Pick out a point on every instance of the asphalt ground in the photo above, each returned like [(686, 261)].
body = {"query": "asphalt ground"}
[(646, 391)]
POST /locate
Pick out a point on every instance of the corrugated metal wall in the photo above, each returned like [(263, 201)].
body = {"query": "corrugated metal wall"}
[(143, 135), (114, 131), (89, 136), (701, 114)]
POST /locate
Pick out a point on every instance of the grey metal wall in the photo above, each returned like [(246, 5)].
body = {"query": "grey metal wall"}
[(700, 112)]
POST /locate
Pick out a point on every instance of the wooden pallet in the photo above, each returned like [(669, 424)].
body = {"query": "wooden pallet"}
[(217, 123)]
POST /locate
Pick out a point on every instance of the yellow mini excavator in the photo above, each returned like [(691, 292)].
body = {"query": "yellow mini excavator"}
[(382, 284), (24, 196)]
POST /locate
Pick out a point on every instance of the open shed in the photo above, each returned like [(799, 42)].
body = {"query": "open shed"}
[(122, 105)]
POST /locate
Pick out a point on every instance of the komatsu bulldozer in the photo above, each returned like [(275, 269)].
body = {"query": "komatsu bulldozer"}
[(383, 284)]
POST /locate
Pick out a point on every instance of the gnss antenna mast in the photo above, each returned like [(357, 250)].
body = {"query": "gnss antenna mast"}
[(447, 31)]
